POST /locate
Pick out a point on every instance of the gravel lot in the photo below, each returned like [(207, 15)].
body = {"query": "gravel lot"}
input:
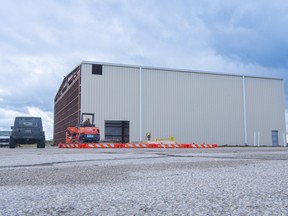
[(221, 181)]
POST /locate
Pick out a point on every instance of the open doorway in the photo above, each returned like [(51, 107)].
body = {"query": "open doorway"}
[(117, 131)]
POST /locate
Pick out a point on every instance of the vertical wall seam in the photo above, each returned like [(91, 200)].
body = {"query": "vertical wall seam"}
[(140, 104), (244, 110), (80, 93)]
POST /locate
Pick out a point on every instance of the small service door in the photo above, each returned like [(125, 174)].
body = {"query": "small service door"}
[(275, 141)]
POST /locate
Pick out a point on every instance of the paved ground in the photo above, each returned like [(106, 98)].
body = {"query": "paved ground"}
[(221, 181)]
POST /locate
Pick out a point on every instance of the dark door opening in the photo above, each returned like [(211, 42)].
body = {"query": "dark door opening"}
[(117, 131), (275, 141)]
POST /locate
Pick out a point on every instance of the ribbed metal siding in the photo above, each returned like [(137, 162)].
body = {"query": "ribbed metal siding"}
[(66, 106), (111, 96), (193, 107), (265, 110)]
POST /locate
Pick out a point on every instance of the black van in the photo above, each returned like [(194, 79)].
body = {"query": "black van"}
[(27, 130)]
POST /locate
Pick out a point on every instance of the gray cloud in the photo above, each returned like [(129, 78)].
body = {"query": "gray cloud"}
[(250, 32)]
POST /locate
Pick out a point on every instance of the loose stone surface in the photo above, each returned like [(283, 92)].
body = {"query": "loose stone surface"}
[(221, 181)]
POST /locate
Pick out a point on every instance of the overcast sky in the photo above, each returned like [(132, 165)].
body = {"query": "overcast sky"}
[(41, 41)]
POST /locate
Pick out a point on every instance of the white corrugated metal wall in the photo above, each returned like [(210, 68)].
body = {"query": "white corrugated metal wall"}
[(265, 110), (191, 106), (111, 96)]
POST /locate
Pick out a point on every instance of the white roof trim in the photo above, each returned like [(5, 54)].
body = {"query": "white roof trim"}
[(179, 70)]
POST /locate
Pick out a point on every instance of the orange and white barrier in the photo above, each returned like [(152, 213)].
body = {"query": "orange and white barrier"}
[(135, 145)]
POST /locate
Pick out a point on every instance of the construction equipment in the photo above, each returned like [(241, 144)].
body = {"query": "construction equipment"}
[(85, 132)]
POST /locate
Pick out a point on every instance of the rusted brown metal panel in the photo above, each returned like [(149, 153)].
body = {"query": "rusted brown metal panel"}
[(67, 105)]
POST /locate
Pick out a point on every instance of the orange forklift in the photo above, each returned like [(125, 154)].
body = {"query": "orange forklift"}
[(85, 132)]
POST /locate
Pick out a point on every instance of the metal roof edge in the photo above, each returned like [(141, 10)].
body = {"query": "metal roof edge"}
[(180, 70), (111, 64)]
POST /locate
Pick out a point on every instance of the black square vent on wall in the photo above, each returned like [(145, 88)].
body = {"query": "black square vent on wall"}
[(97, 69)]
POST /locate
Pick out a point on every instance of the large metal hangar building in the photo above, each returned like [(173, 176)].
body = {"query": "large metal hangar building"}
[(192, 106)]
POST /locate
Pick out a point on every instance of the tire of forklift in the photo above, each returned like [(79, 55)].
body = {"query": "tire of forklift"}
[(41, 143), (12, 143)]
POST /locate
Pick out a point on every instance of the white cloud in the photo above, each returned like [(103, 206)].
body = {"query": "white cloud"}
[(4, 92)]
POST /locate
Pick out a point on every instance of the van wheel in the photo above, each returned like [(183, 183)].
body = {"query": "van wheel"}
[(41, 143), (12, 143)]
